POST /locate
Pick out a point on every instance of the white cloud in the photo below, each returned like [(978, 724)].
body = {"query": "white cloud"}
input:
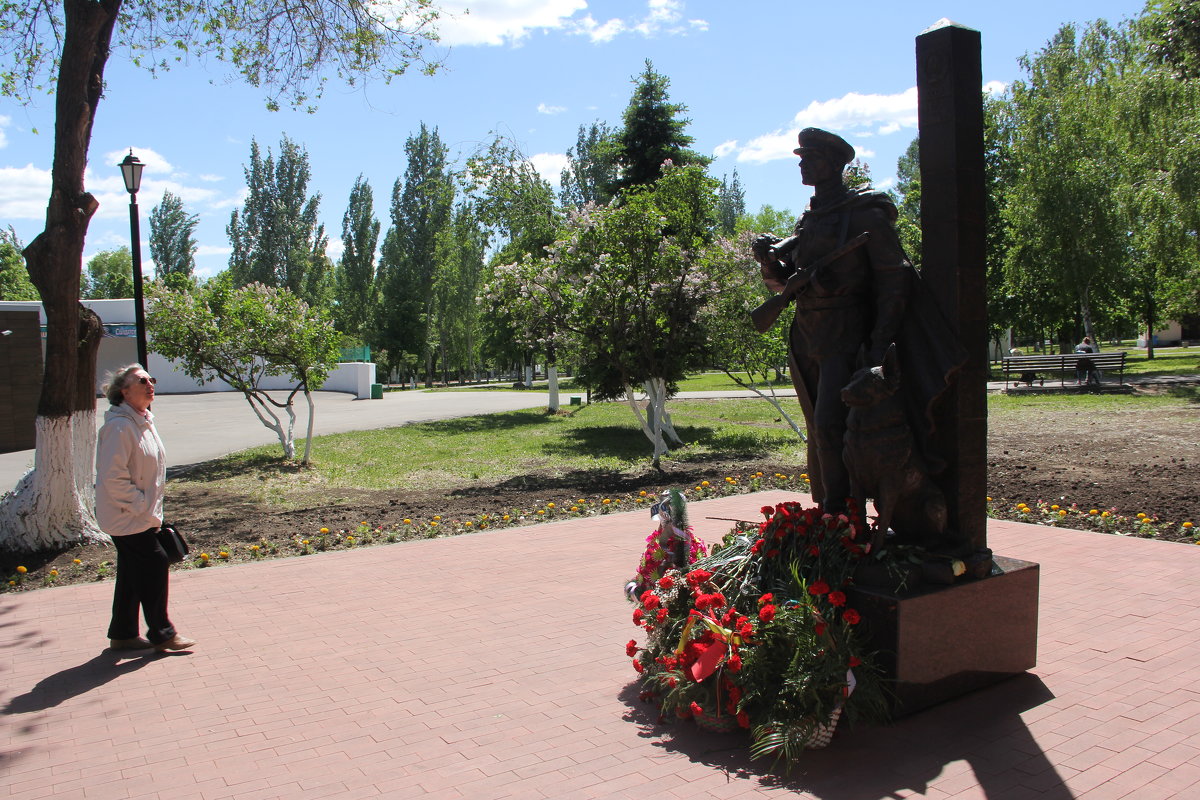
[(549, 166), (725, 148), (879, 114), (545, 109), (334, 249), (213, 250), (24, 192), (497, 22), (211, 178), (4, 123), (995, 88), (153, 161)]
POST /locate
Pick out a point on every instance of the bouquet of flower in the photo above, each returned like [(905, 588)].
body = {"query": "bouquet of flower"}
[(760, 633)]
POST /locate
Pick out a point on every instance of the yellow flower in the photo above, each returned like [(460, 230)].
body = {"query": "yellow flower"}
[(642, 493), (433, 524), (364, 522), (605, 501), (1188, 525), (1141, 515), (437, 517), (53, 573), (728, 480), (223, 554), (574, 508), (506, 518), (467, 524), (305, 541), (14, 583), (1105, 514), (21, 570), (549, 505), (324, 530), (1093, 511), (698, 489), (704, 483), (1054, 507), (1062, 512), (485, 517), (989, 499), (804, 477), (76, 561), (204, 556), (541, 511), (407, 521)]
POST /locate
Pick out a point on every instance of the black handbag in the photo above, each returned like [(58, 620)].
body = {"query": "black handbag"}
[(173, 543)]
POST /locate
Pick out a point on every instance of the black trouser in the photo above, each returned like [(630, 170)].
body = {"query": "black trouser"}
[(141, 580), (825, 416)]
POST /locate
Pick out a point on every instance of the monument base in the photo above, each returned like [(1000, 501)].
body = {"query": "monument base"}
[(936, 643)]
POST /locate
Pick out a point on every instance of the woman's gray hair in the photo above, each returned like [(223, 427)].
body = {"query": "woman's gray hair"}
[(118, 379)]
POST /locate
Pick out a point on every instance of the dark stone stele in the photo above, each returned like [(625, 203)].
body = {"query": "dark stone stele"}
[(935, 643)]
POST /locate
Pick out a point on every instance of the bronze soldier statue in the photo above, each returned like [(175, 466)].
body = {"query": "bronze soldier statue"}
[(857, 295), (856, 301)]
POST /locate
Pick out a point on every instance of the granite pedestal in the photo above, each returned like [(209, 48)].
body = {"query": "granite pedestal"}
[(935, 643)]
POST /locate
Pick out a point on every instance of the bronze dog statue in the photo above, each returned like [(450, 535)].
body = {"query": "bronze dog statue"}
[(884, 462)]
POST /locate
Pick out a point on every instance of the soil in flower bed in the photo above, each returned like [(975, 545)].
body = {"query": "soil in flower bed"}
[(1144, 461)]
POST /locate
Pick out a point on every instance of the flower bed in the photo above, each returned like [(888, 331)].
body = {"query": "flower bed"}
[(760, 633)]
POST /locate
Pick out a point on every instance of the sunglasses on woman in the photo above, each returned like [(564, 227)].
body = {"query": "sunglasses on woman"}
[(144, 380)]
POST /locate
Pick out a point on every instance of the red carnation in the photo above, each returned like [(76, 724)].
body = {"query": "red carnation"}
[(851, 616), (631, 648), (743, 719), (819, 588), (695, 709), (757, 546), (637, 665), (821, 626), (773, 553), (734, 663), (855, 661), (650, 599), (666, 583), (766, 598), (745, 630), (767, 511), (813, 550), (638, 616), (837, 598), (767, 613), (660, 615), (717, 600)]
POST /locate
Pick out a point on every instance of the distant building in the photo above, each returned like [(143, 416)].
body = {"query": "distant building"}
[(119, 347)]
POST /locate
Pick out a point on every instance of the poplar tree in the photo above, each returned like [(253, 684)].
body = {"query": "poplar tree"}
[(420, 210), (276, 239), (356, 289), (591, 169), (172, 241)]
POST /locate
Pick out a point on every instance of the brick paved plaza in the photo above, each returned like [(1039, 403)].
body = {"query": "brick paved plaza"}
[(493, 665)]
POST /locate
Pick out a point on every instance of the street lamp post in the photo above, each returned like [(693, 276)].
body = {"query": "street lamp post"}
[(131, 171)]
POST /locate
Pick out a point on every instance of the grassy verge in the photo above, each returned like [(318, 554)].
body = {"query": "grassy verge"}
[(601, 437)]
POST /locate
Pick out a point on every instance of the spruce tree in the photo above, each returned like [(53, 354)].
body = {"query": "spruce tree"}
[(652, 133)]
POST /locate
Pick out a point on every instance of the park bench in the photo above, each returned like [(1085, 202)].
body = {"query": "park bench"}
[(1063, 363)]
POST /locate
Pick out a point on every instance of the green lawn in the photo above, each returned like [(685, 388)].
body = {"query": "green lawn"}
[(600, 437)]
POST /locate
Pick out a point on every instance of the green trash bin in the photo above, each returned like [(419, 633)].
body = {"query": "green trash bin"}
[(576, 400), (376, 391)]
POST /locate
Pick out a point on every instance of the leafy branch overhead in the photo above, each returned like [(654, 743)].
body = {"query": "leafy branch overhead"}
[(286, 49)]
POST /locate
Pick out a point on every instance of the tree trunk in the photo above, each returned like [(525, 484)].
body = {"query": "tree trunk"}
[(1085, 310), (552, 376), (47, 508)]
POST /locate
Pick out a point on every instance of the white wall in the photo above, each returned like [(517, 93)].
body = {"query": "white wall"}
[(117, 351)]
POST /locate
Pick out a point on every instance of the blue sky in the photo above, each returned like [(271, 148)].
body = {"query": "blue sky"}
[(751, 74)]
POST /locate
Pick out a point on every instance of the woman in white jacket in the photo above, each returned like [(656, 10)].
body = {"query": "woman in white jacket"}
[(131, 475)]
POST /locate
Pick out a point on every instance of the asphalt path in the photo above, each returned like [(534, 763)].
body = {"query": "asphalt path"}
[(206, 425)]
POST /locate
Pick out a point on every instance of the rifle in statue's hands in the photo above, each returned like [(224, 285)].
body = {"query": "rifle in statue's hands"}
[(765, 315)]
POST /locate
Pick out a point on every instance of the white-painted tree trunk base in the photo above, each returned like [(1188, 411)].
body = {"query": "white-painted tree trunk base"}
[(552, 376), (46, 510)]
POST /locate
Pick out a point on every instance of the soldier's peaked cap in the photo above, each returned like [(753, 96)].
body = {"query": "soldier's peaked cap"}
[(829, 143)]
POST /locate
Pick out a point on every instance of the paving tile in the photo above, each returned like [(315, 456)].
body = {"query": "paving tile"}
[(497, 699)]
